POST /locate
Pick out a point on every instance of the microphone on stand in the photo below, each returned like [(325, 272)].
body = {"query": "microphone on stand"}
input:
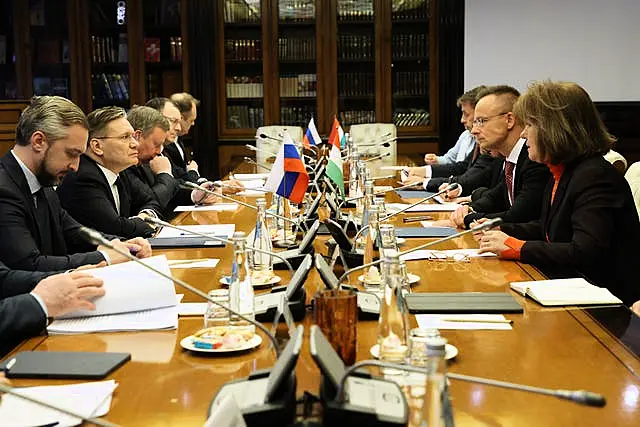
[(156, 221), (97, 421), (580, 397), (450, 187), (253, 162), (265, 136), (351, 199), (256, 149), (375, 178), (97, 239), (487, 225), (378, 157)]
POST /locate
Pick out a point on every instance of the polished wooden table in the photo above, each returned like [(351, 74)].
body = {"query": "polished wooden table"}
[(165, 385)]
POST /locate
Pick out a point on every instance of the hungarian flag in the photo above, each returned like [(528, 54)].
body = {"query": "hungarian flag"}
[(334, 163), (288, 177)]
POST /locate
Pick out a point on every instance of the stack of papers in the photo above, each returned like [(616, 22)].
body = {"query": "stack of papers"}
[(90, 400), (565, 292), (445, 254), (424, 207), (135, 298), (216, 207), (463, 321), (221, 230)]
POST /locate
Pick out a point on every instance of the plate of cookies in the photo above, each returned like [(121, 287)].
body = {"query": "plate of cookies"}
[(221, 340)]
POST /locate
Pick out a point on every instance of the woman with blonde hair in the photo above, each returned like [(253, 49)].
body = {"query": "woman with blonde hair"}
[(589, 224)]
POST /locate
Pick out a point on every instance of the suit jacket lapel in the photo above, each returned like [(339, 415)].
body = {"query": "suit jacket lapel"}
[(87, 162), (125, 199), (558, 199)]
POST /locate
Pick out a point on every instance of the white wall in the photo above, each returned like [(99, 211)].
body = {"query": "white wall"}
[(595, 43)]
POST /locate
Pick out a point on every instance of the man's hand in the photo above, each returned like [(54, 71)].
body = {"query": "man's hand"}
[(493, 241), (141, 247), (232, 183), (430, 159), (457, 216), (451, 194), (413, 179), (199, 197), (160, 164), (415, 171), (115, 257), (67, 292), (192, 166), (91, 266)]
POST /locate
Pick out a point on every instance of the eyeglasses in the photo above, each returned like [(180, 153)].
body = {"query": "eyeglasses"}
[(172, 121), (126, 138), (481, 121)]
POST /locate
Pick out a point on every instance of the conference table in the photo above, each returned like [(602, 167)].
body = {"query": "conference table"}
[(565, 348)]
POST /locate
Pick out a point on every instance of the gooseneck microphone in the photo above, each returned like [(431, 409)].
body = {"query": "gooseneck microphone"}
[(581, 397), (192, 186), (97, 238), (351, 199), (265, 136), (156, 221), (378, 157), (450, 187), (253, 162), (487, 225), (97, 421), (374, 178)]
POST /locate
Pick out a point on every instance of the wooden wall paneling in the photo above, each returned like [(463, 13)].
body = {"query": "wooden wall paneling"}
[(383, 61), (80, 54), (184, 33), (137, 75), (331, 49), (9, 114), (23, 48), (321, 64), (433, 65), (220, 71), (270, 76)]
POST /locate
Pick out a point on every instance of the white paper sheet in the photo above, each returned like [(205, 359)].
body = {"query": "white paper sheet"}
[(449, 253), (392, 168), (221, 230), (250, 176), (424, 207), (457, 321), (131, 287), (192, 309), (216, 207), (251, 193), (201, 263), (147, 320), (257, 183), (88, 399)]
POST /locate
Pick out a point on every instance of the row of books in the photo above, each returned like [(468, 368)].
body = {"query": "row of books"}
[(104, 50), (355, 10), (51, 86), (354, 46), (242, 11), (244, 117), (296, 10), (410, 117), (153, 49), (244, 87), (242, 49), (409, 45), (110, 86), (356, 84), (410, 9), (414, 83), (348, 118), (296, 48), (297, 116), (298, 85)]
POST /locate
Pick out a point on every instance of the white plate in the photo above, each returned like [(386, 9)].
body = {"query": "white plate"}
[(450, 351), (252, 343), (226, 280), (413, 278)]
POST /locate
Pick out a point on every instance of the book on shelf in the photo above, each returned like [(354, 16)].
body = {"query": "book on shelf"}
[(3, 49), (241, 11), (107, 87), (558, 292), (151, 49), (36, 12), (410, 118), (60, 87), (42, 86), (123, 48)]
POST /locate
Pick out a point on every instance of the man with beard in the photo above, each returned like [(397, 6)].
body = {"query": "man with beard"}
[(35, 232)]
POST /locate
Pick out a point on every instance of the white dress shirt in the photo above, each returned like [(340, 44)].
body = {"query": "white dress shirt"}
[(513, 158), (111, 179)]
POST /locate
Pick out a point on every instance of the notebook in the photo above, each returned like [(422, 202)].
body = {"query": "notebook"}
[(464, 302), (63, 364), (576, 291)]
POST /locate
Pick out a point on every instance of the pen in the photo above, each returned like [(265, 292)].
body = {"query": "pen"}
[(505, 321), (417, 218)]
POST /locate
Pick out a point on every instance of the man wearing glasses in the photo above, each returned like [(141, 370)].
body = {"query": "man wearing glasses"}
[(36, 233), (518, 195), (98, 194)]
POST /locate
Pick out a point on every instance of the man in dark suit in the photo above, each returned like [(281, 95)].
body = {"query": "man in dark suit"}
[(518, 195), (32, 297), (98, 195), (35, 232), (176, 151)]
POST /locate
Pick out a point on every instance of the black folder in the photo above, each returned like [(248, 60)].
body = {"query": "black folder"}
[(464, 302), (63, 364), (183, 242)]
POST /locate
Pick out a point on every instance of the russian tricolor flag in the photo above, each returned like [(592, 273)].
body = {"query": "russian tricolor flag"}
[(311, 136), (288, 177)]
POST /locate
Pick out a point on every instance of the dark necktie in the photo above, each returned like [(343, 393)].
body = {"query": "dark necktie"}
[(508, 175), (476, 153), (44, 222)]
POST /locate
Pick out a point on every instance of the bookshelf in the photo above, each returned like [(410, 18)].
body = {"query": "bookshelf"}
[(8, 81), (365, 61)]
